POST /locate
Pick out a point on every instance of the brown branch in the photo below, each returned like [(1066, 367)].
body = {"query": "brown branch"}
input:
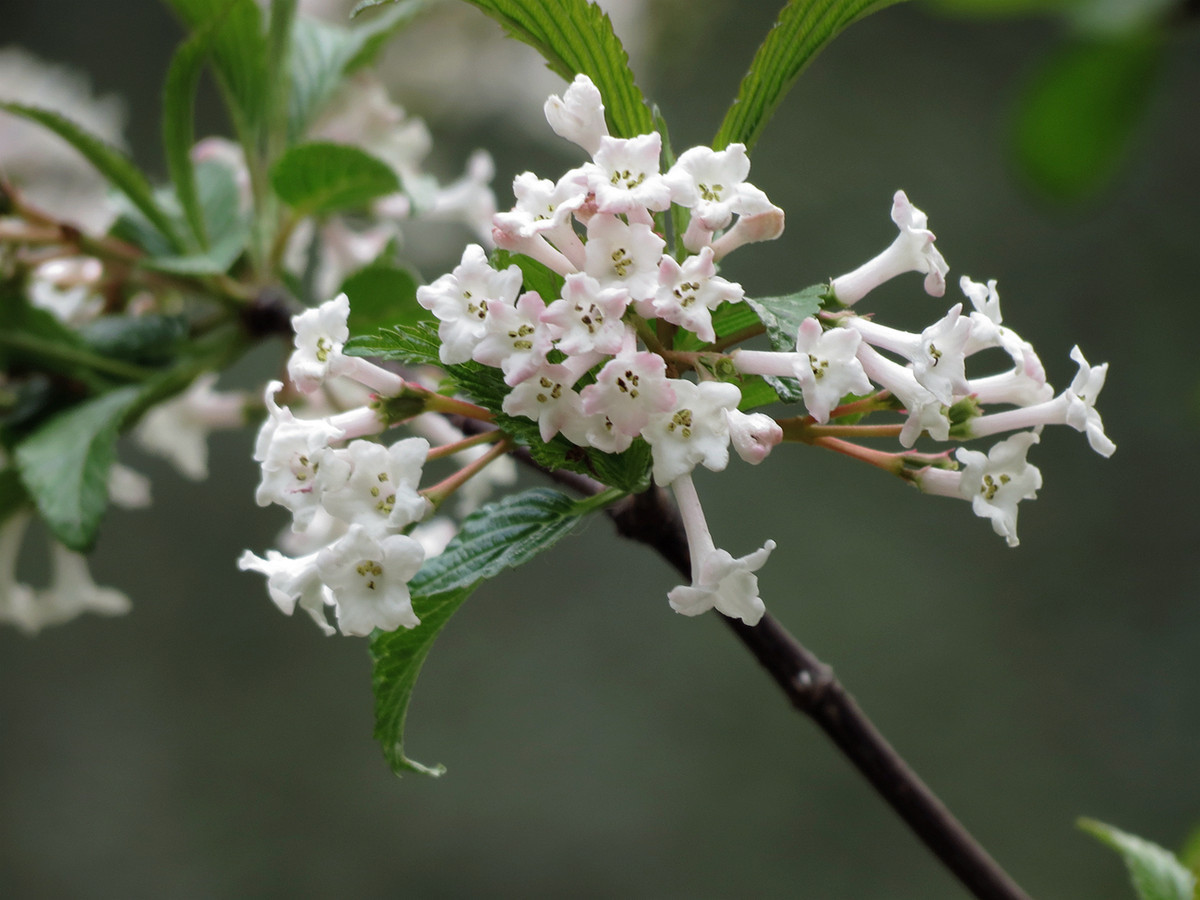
[(811, 687)]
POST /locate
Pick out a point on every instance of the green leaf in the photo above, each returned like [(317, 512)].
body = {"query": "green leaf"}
[(575, 36), (397, 657), (117, 168), (239, 50), (1079, 116), (498, 536), (802, 30), (757, 391), (782, 315), (323, 54), (179, 132), (220, 210), (149, 339), (64, 465), (382, 295), (320, 178), (1156, 873)]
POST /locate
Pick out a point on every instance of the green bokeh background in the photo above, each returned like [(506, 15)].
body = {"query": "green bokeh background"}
[(598, 745)]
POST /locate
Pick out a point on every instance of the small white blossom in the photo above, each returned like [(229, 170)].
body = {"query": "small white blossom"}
[(547, 398), (631, 388), (694, 431), (719, 581), (578, 115), (712, 184), (1076, 406), (625, 176), (993, 482), (369, 580), (292, 582), (375, 486), (753, 435), (68, 289), (515, 340), (911, 251), (925, 412), (587, 318), (688, 293), (621, 255), (936, 354), (290, 452), (459, 300), (320, 334)]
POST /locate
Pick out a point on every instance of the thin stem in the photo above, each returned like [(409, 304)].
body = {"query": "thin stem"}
[(438, 493), (483, 437), (750, 331)]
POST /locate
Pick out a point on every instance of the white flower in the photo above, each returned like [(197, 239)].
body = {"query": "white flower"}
[(459, 300), (719, 581), (544, 209), (341, 250), (178, 429), (290, 451), (937, 353), (825, 363), (1081, 403), (753, 435), (911, 251), (621, 255), (925, 412), (695, 430), (689, 292), (375, 486), (712, 184), (625, 176), (587, 317), (631, 388), (578, 115), (1075, 407), (468, 200), (320, 334), (547, 398), (994, 483), (369, 580), (515, 340), (128, 488), (292, 582)]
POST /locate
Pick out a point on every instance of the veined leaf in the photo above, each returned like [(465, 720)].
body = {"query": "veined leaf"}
[(498, 536), (64, 465), (576, 36), (803, 28), (220, 210), (110, 162), (782, 315), (239, 49), (729, 318), (1155, 872), (319, 178), (179, 133), (322, 54), (381, 295)]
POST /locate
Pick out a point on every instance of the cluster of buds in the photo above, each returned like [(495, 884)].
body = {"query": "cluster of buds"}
[(598, 365)]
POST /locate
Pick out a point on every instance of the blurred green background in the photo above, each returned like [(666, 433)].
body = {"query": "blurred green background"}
[(599, 745)]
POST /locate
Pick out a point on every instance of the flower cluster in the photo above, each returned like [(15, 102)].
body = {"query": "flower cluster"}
[(596, 363), (843, 353), (591, 363)]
